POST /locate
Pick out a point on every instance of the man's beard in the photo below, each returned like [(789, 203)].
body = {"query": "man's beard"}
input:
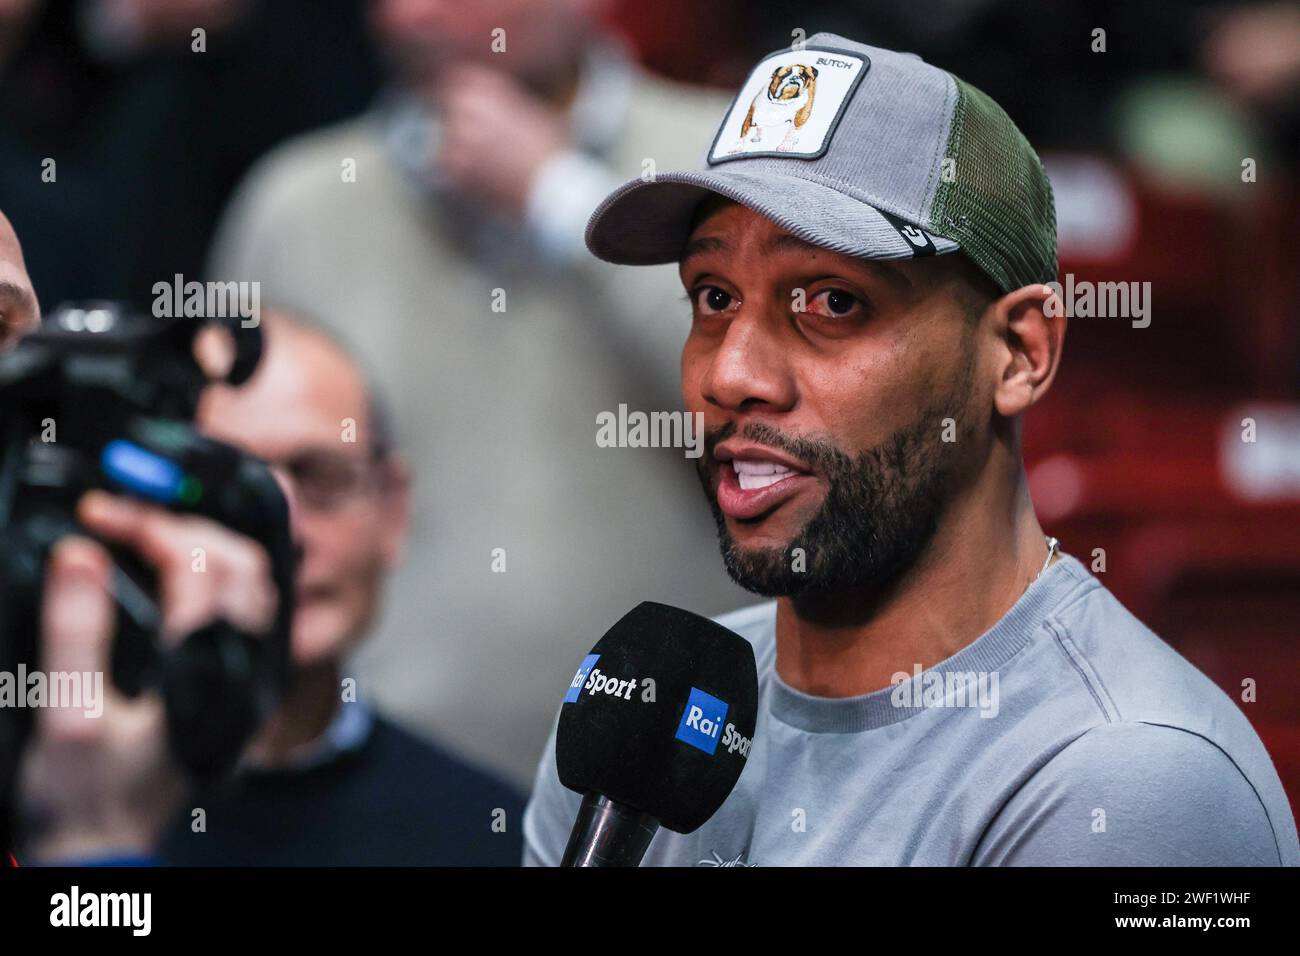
[(880, 511)]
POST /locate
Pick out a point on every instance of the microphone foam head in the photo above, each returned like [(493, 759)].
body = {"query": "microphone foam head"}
[(660, 715)]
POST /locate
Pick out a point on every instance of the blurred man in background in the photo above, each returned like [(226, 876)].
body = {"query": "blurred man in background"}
[(328, 781), (443, 231)]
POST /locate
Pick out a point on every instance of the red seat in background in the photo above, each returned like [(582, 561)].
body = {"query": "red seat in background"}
[(1225, 290), (1136, 450)]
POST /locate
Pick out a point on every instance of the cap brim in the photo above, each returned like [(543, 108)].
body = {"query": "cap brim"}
[(647, 222)]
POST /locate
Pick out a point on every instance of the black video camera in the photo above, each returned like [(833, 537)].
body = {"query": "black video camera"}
[(104, 397)]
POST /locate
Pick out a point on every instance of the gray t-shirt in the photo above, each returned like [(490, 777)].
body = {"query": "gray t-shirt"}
[(1068, 734)]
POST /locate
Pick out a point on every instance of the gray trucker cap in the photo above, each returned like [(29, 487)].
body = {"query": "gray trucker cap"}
[(862, 151)]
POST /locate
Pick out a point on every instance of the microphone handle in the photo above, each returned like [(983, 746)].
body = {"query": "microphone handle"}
[(608, 833)]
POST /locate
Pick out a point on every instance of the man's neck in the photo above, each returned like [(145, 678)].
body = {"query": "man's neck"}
[(986, 552), (305, 714)]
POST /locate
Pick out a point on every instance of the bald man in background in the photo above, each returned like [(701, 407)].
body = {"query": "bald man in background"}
[(453, 258), (328, 781)]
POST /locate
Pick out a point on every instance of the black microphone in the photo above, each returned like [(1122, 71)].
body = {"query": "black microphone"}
[(655, 730)]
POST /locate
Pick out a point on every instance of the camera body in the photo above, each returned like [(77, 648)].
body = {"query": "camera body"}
[(102, 397)]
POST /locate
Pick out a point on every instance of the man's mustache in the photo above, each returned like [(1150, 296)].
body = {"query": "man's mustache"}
[(819, 455)]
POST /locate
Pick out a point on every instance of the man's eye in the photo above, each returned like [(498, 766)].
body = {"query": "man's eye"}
[(710, 299), (833, 303), (320, 473)]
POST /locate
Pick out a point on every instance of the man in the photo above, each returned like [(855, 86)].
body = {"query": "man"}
[(442, 233), (939, 685), (95, 786), (327, 781)]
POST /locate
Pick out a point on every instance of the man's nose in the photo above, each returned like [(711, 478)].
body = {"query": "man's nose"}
[(283, 479), (299, 517), (750, 367)]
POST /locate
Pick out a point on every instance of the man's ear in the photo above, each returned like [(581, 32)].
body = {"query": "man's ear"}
[(1031, 321)]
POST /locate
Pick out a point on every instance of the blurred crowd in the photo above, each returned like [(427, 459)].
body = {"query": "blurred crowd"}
[(413, 177)]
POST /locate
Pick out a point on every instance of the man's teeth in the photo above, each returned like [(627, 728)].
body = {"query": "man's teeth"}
[(759, 474)]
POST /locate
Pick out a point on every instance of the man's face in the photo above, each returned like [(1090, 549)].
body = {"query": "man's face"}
[(348, 510), (826, 384), (425, 39), (19, 311)]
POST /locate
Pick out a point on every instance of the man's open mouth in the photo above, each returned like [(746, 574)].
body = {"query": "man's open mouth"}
[(754, 480), (753, 475)]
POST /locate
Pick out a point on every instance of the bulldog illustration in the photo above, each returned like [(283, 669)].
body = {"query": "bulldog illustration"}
[(778, 112)]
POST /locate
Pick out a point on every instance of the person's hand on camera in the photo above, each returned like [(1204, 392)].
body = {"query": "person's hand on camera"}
[(97, 786)]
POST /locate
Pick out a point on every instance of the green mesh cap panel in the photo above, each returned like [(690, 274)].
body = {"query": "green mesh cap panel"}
[(999, 204)]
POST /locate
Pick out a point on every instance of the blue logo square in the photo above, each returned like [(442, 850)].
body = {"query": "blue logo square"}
[(580, 678), (702, 721)]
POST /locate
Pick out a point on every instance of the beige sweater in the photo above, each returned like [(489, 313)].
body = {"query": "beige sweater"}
[(497, 413)]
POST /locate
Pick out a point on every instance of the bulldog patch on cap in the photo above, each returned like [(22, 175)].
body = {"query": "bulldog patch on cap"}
[(789, 105)]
